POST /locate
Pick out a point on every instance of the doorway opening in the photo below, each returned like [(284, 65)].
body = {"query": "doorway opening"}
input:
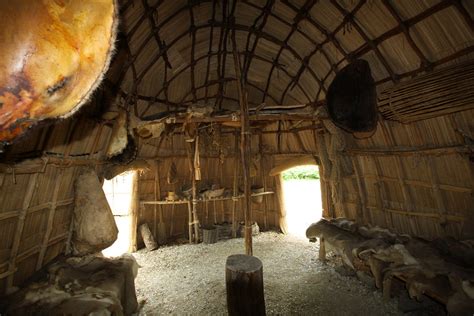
[(118, 192), (302, 196)]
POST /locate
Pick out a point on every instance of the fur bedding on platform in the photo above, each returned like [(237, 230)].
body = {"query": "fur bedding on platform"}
[(81, 286), (443, 268)]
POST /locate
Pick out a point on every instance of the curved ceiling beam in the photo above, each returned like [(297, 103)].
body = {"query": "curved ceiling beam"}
[(293, 28), (279, 66), (209, 83), (211, 39), (330, 37), (238, 27), (222, 50), (369, 45), (349, 17), (265, 12)]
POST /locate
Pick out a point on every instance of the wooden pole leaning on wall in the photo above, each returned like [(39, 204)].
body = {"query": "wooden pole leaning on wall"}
[(244, 146)]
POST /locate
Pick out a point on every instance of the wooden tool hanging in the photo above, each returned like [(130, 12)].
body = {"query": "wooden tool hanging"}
[(197, 162)]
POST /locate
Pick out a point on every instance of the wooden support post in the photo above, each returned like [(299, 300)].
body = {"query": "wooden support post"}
[(264, 180), (322, 249), (223, 210), (49, 225), (156, 195), (134, 212), (324, 171), (160, 236), (206, 206), (19, 228), (172, 219), (244, 285), (245, 147), (235, 186), (190, 228), (193, 218), (222, 206), (215, 211)]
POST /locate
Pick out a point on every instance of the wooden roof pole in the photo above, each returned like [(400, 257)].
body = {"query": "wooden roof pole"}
[(244, 147)]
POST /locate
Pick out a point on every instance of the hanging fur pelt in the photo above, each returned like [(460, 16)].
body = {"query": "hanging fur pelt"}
[(129, 153)]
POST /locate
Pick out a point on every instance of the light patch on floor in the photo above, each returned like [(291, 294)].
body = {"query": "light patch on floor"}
[(190, 280)]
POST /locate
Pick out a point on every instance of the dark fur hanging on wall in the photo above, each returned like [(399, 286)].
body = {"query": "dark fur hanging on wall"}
[(352, 98)]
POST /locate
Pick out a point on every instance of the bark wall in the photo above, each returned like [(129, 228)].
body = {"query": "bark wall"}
[(214, 171), (37, 195), (413, 178)]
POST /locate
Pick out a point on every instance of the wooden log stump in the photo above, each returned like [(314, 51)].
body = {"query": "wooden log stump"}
[(148, 238), (244, 284), (209, 235)]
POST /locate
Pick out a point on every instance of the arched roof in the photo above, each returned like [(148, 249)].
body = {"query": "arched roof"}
[(180, 51)]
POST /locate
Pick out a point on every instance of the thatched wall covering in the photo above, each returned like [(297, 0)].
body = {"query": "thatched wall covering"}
[(37, 195)]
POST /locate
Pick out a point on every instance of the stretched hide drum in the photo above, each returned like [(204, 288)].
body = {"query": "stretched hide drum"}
[(352, 99), (53, 55)]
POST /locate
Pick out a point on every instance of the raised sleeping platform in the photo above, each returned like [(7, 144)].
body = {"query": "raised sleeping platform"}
[(442, 269)]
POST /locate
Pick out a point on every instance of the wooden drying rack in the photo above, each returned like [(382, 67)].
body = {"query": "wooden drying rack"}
[(189, 202), (185, 201)]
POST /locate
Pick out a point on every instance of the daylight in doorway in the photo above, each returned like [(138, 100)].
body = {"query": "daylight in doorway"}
[(118, 192), (302, 194)]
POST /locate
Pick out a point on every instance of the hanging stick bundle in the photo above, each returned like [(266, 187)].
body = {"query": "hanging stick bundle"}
[(440, 92)]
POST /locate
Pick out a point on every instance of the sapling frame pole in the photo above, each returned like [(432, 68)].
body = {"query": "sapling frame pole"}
[(193, 218), (234, 187), (244, 147), (191, 204)]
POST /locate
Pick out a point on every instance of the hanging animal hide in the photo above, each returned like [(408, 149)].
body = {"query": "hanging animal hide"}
[(197, 110), (53, 56), (119, 138), (150, 130), (94, 227), (128, 154), (352, 99)]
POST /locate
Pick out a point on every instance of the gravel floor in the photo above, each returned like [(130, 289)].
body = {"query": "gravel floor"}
[(190, 280)]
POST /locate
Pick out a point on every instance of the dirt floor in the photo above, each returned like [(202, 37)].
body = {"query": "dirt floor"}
[(190, 280)]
